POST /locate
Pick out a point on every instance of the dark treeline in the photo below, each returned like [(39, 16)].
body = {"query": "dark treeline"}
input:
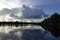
[(17, 23), (52, 24)]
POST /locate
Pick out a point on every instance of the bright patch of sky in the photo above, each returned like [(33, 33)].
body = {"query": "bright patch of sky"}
[(49, 6), (10, 3)]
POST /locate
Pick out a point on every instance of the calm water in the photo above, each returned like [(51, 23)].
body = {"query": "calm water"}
[(30, 32), (7, 28)]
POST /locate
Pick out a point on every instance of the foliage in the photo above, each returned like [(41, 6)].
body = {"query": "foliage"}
[(52, 24)]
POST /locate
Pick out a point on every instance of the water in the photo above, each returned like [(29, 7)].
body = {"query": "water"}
[(8, 28), (30, 32)]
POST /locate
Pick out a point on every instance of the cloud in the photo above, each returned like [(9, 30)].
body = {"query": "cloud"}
[(24, 12), (10, 4), (19, 3), (28, 12), (5, 11)]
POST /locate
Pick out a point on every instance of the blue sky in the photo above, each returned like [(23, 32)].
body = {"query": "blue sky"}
[(49, 6)]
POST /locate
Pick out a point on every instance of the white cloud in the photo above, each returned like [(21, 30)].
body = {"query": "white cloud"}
[(24, 12), (10, 3)]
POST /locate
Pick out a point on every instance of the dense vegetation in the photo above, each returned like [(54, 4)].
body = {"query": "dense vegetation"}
[(52, 24)]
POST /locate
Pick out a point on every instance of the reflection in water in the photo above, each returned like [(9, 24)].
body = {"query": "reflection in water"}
[(8, 28), (30, 32)]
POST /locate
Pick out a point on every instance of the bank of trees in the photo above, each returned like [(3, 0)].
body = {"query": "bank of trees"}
[(52, 24)]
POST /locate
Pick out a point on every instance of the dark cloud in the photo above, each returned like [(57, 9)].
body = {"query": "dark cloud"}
[(28, 12), (24, 12)]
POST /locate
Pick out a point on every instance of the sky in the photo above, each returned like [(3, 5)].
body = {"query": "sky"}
[(49, 6), (15, 7), (11, 7)]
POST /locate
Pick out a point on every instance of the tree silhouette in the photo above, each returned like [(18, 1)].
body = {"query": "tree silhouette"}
[(52, 24)]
